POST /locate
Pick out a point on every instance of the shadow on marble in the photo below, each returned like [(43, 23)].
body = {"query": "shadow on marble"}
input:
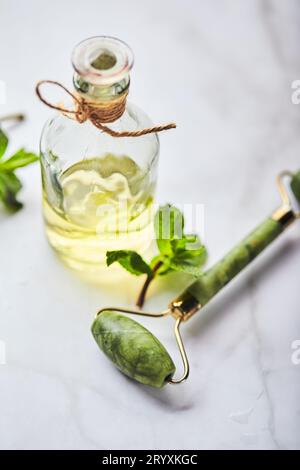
[(167, 397), (230, 297)]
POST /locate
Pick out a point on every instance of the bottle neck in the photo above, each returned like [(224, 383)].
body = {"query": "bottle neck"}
[(99, 93)]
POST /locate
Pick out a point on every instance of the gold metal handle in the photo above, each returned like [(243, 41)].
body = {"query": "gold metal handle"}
[(285, 214), (186, 366)]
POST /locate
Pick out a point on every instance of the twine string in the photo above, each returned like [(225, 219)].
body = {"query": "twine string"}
[(98, 113)]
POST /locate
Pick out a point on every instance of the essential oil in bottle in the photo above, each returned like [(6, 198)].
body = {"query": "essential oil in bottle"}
[(98, 189)]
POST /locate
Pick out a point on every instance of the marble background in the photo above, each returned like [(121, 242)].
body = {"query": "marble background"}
[(223, 71)]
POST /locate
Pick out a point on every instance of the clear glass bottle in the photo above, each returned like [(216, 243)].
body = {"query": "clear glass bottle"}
[(98, 190)]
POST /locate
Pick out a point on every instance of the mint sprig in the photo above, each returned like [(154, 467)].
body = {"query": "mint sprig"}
[(10, 184), (177, 251)]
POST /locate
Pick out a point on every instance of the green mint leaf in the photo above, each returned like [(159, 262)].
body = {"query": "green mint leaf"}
[(187, 268), (195, 257), (188, 246), (164, 246), (130, 260), (3, 143), (189, 255), (295, 186), (18, 160), (179, 252), (10, 185), (187, 242), (168, 225)]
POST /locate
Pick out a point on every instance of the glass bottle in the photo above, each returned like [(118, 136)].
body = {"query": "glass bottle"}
[(97, 189)]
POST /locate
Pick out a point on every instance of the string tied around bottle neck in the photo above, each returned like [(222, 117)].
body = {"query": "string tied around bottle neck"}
[(98, 113)]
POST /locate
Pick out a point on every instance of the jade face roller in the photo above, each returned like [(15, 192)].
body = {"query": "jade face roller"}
[(137, 352)]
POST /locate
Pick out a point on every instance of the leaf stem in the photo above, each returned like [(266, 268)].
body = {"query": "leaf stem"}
[(141, 298), (13, 117)]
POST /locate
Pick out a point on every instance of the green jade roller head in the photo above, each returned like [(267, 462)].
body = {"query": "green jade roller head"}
[(137, 352)]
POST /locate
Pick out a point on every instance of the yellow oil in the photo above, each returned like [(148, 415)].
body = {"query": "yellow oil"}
[(97, 205)]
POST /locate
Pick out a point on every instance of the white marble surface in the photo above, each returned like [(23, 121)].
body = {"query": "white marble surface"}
[(223, 71)]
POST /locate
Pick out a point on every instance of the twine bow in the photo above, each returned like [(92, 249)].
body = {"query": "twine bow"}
[(98, 112)]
